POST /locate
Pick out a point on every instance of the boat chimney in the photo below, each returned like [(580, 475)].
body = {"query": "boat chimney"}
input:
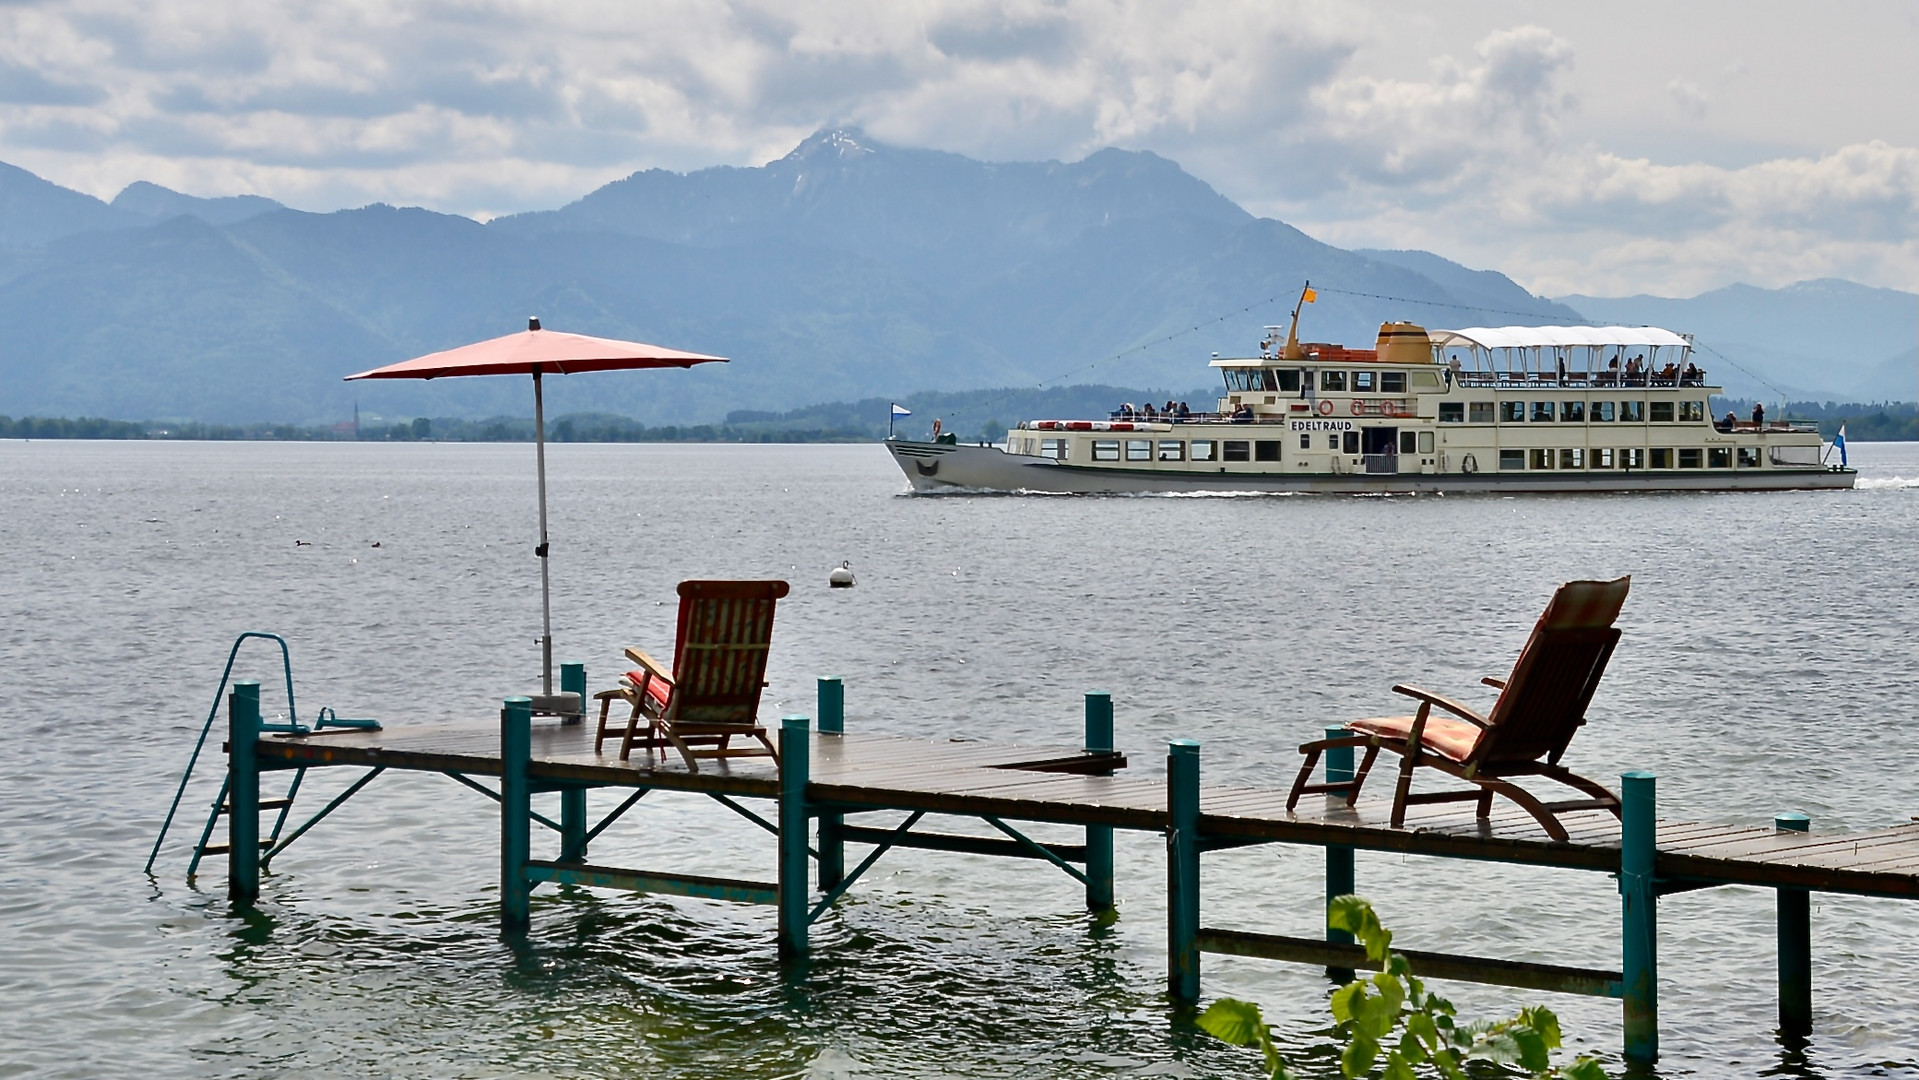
[(533, 322)]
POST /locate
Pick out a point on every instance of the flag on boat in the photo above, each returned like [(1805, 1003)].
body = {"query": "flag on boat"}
[(1839, 444), (1311, 295), (901, 410)]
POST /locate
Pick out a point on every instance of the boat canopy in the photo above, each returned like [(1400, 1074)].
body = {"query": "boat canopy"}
[(1534, 337)]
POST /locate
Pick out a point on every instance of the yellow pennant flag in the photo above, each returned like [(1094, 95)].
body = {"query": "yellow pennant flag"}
[(1311, 296)]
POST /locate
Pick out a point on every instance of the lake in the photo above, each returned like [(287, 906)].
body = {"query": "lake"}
[(1768, 664)]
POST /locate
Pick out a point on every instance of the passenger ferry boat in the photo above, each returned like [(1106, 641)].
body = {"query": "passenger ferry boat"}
[(1515, 408)]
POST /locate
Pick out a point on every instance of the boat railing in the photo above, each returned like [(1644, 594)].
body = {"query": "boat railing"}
[(1526, 380), (1747, 427)]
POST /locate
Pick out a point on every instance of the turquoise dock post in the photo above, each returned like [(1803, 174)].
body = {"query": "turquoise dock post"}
[(1099, 838), (1639, 916), (832, 721), (795, 764), (1339, 859), (1795, 945), (573, 800), (1182, 870), (243, 793), (516, 813)]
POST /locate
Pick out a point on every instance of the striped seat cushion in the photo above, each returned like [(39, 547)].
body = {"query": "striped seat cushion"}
[(656, 689), (1442, 735)]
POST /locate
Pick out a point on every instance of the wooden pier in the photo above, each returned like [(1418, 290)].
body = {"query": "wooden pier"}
[(829, 777)]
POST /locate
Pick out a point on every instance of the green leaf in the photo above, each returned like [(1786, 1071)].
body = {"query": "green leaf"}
[(1411, 1049), (1233, 1021), (1420, 1026), (1584, 1069), (1356, 917), (1359, 1056), (1541, 1019), (1397, 1068), (1344, 998), (1531, 1050)]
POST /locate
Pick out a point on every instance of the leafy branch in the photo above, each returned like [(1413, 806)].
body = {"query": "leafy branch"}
[(1392, 1016)]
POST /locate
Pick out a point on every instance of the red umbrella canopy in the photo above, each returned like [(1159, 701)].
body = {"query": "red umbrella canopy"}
[(537, 351)]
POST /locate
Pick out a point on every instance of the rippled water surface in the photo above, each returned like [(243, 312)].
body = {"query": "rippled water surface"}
[(1768, 664)]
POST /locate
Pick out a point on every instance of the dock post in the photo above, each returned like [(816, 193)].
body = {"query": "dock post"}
[(1639, 916), (832, 721), (243, 793), (1099, 838), (1339, 858), (1182, 870), (516, 813), (573, 800), (1795, 945), (795, 764)]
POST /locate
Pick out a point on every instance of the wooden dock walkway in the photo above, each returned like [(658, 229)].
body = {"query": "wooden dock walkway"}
[(827, 778)]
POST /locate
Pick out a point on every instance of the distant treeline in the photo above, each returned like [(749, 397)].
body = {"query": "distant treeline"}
[(977, 414)]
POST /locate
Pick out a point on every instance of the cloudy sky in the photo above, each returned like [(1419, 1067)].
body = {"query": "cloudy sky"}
[(1599, 147)]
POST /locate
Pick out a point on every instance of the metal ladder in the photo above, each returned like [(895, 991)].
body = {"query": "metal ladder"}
[(283, 805)]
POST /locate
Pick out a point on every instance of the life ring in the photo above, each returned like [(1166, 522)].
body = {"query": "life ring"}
[(1468, 465), (1387, 408), (1325, 408), (1359, 407)]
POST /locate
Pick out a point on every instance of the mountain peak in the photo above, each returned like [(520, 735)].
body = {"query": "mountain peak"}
[(158, 203), (845, 144)]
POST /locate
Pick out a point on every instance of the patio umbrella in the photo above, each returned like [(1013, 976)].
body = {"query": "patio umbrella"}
[(536, 352)]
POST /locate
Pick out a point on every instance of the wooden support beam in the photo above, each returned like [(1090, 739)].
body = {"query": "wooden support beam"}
[(644, 881), (1594, 982), (966, 845)]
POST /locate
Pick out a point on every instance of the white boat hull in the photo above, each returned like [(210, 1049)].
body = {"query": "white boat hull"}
[(945, 467)]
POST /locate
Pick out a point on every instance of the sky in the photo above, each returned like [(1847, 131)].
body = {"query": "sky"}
[(1605, 148)]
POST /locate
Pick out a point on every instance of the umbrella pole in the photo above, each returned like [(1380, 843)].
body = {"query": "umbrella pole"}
[(546, 589)]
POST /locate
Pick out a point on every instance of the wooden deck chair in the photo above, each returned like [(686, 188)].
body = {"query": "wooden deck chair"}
[(1541, 705), (712, 693)]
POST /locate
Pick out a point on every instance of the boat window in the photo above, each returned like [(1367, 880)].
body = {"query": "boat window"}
[(1332, 380), (1305, 442), (1793, 455), (1053, 448), (1425, 442), (1235, 450), (1542, 459), (1694, 411), (1409, 442), (1749, 457), (1288, 379), (1266, 450), (1632, 412), (1392, 382), (1689, 457), (1602, 412), (1363, 382), (1202, 449), (1512, 459), (1235, 379), (1351, 441), (1719, 457), (1602, 459), (1139, 449), (1572, 459), (1662, 412), (1542, 412), (1172, 450), (1266, 380), (1632, 457), (1105, 449), (1512, 412), (1452, 412), (1572, 412), (1481, 412), (1662, 457), (1332, 442)]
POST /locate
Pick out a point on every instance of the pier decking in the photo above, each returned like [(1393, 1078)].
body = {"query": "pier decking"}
[(827, 777)]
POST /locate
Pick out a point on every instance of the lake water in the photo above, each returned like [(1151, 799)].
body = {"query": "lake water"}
[(1768, 664)]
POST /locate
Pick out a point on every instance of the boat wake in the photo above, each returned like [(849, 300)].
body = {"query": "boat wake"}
[(1885, 483)]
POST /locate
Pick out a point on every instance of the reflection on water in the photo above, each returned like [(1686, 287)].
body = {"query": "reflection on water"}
[(1767, 645)]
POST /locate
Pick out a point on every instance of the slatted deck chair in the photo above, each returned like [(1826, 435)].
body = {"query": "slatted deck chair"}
[(712, 693), (1541, 705)]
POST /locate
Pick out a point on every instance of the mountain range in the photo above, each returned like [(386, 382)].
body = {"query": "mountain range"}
[(847, 269)]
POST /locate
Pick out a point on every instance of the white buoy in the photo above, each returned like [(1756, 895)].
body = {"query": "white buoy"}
[(841, 577)]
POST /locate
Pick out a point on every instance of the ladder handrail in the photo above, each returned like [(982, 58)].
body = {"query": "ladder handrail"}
[(292, 724)]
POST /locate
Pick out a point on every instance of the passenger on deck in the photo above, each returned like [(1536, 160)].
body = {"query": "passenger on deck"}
[(1692, 375), (1242, 414), (1759, 415), (1184, 412), (1669, 373), (1126, 410), (1728, 423), (1612, 372)]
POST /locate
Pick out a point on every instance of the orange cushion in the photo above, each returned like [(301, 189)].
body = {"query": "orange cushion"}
[(1443, 735), (657, 689), (1581, 605)]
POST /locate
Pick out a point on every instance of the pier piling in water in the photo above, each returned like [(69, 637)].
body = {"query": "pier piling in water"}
[(795, 759), (1639, 916), (573, 799), (832, 721), (516, 814), (1340, 880), (1795, 944), (1182, 870), (243, 792), (1099, 838)]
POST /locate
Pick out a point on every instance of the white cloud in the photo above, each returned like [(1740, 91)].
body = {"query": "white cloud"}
[(488, 106)]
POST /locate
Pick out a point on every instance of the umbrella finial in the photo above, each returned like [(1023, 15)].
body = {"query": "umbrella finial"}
[(533, 322)]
